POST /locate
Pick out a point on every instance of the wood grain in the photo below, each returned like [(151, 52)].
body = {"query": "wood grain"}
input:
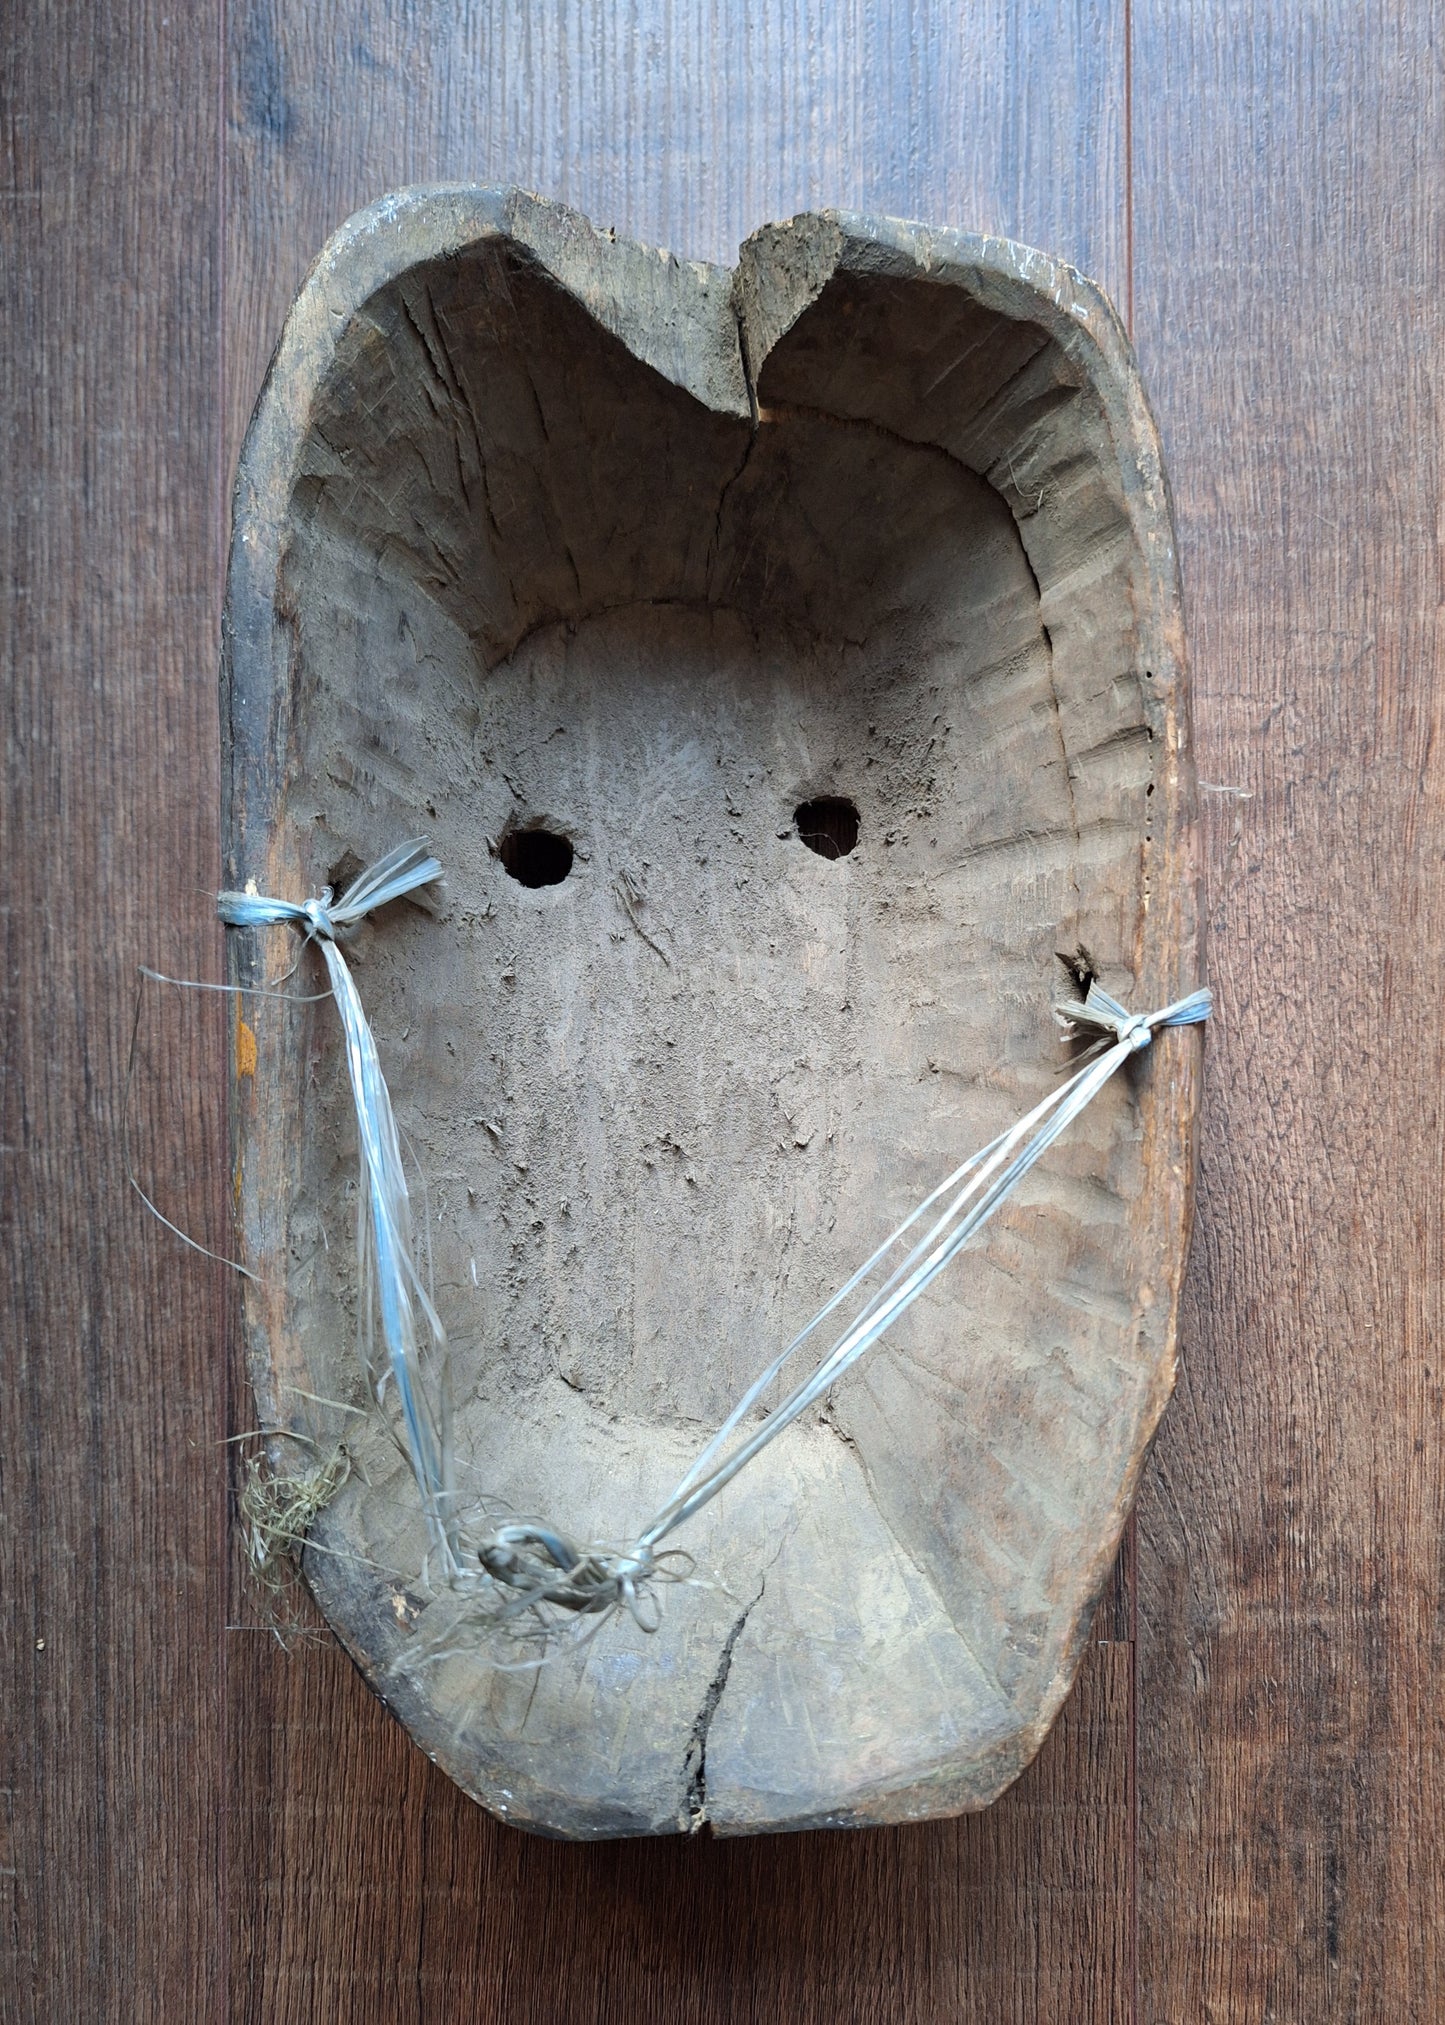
[(683, 123), (1286, 185), (378, 1892), (114, 1339), (1290, 1735)]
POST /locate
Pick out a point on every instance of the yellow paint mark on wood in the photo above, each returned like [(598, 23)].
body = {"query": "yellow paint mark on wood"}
[(245, 1048)]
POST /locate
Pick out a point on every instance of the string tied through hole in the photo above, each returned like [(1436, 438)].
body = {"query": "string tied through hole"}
[(531, 1567), (411, 1358)]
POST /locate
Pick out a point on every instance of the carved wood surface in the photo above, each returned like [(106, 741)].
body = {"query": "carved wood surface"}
[(1237, 1814), (542, 536)]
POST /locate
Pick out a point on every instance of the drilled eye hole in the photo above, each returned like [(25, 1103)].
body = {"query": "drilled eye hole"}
[(828, 825), (536, 857)]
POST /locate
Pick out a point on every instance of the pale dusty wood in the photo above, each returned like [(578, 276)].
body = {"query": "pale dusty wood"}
[(113, 1342), (508, 487), (1291, 1740)]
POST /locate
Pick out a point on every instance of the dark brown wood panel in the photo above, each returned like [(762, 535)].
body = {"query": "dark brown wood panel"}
[(375, 1892), (113, 1340), (1287, 184), (197, 1824), (683, 123)]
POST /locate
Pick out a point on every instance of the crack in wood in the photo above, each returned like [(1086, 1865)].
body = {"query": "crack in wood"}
[(694, 1764)]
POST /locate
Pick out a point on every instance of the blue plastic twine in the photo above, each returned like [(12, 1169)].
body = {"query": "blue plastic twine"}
[(541, 1566), (390, 1284), (534, 1563)]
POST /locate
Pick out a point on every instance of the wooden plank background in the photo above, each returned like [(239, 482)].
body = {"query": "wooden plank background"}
[(1239, 1816)]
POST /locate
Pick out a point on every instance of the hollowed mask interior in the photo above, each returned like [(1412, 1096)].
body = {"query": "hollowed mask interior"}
[(765, 662)]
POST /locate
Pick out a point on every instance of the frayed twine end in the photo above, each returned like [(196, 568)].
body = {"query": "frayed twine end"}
[(277, 1510), (1109, 1024)]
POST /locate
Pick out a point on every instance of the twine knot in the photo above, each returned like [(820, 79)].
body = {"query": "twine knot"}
[(325, 918), (540, 1566), (1137, 1031), (317, 916), (1113, 1025), (411, 1355)]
